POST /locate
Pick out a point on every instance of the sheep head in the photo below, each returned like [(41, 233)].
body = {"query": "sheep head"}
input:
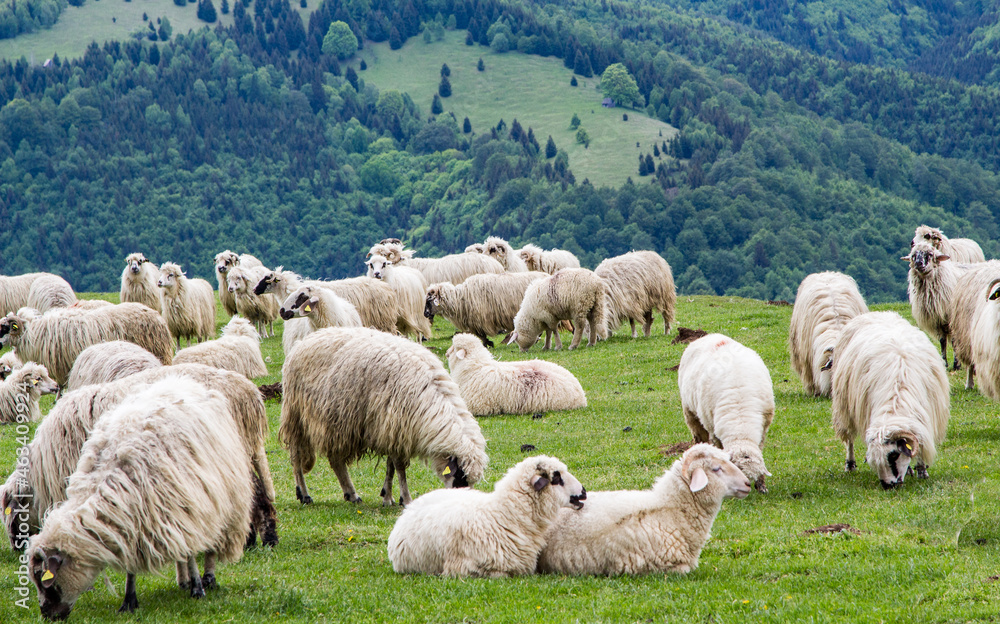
[(302, 302), (704, 468), (59, 578), (497, 248), (433, 301), (170, 276), (526, 331), (889, 454), (924, 258), (546, 481), (225, 261), (240, 327), (532, 256), (378, 266), (12, 328), (476, 248), (5, 370), (823, 366), (238, 281), (748, 458), (134, 262), (929, 235), (268, 283), (16, 496), (465, 346), (34, 379)]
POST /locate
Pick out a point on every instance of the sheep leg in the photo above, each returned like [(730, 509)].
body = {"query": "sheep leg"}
[(183, 580), (922, 471), (404, 488), (548, 339), (594, 331), (301, 492), (485, 339), (944, 350), (694, 425), (386, 493), (556, 338), (208, 580), (631, 323), (197, 591), (850, 464), (131, 601), (340, 469), (264, 517), (970, 374), (579, 324), (269, 532), (647, 323)]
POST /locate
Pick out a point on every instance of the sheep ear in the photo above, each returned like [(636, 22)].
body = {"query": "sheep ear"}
[(513, 338), (52, 565), (698, 480), (460, 354), (943, 257), (906, 258), (539, 483)]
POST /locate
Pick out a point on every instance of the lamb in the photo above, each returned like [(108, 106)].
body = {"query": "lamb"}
[(824, 303), (139, 282), (490, 387), (261, 310), (501, 251), (484, 305), (160, 480), (466, 532), (728, 399), (968, 299), (662, 529), (352, 391), (188, 304), (321, 307), (108, 361), (9, 362), (574, 294), (223, 262), (55, 339), (20, 391), (963, 250), (238, 350), (931, 282), (536, 259), (890, 384), (41, 291), (409, 288), (454, 268), (638, 284)]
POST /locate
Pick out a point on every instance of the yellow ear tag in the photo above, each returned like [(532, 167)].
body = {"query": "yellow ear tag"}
[(7, 511), (13, 325), (307, 308), (34, 382), (909, 447), (48, 575), (447, 471)]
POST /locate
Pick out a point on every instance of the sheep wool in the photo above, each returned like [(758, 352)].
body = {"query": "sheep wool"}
[(41, 291), (139, 282), (454, 268), (985, 341), (639, 283), (968, 300), (931, 282), (537, 259), (108, 361), (321, 307), (20, 391), (9, 362), (237, 350), (223, 262), (577, 295), (408, 284), (261, 310), (963, 250), (501, 251), (188, 304)]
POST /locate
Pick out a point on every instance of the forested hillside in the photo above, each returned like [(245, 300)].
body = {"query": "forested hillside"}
[(252, 138)]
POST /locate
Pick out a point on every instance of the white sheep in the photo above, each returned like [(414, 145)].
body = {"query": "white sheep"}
[(188, 304), (321, 307), (410, 292), (824, 303), (160, 480), (261, 310), (108, 361), (484, 305), (20, 391), (577, 295), (237, 350), (890, 385), (476, 248), (9, 362), (139, 282), (454, 268), (662, 529), (930, 284), (42, 291), (491, 387), (56, 338), (963, 250), (466, 532), (501, 251), (638, 283), (968, 301), (537, 259), (728, 400), (349, 392), (223, 262)]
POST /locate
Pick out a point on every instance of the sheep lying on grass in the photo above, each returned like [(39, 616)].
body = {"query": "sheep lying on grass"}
[(108, 361), (577, 295), (223, 262), (638, 284), (238, 350), (466, 532), (662, 529), (41, 291), (931, 282), (9, 362), (959, 249), (490, 387), (188, 304), (20, 391), (139, 282), (536, 259)]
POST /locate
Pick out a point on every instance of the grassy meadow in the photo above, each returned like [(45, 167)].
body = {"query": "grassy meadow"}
[(926, 552)]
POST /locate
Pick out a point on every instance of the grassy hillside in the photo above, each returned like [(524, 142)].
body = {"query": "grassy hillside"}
[(532, 89), (927, 550)]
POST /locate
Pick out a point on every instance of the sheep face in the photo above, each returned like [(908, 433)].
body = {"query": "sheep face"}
[(11, 329), (526, 332), (532, 257), (497, 248), (267, 284), (463, 346), (5, 370), (237, 282), (36, 380), (750, 461), (703, 465), (225, 261), (451, 473), (890, 454), (549, 480), (931, 236), (923, 258), (433, 302), (378, 266), (823, 367), (170, 276), (302, 302), (134, 262), (59, 579)]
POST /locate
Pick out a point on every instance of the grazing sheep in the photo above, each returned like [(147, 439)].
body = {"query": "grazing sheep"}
[(188, 304), (454, 268), (466, 532), (139, 282), (238, 350), (638, 284), (824, 303), (662, 529), (931, 282), (261, 310), (42, 291), (577, 295), (9, 362), (985, 341), (55, 339), (160, 480), (484, 305), (501, 251), (728, 399), (490, 387), (409, 288), (108, 361), (963, 250), (20, 391), (477, 248), (322, 307), (890, 385), (536, 259), (223, 262), (967, 301), (352, 391)]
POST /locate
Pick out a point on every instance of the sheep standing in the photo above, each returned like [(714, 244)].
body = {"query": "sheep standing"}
[(466, 532), (41, 291), (824, 303), (139, 282), (454, 268), (728, 399), (577, 295), (9, 362), (490, 387), (353, 391), (225, 261), (108, 361), (160, 480), (261, 310), (536, 259), (20, 391), (484, 305), (408, 285), (638, 284), (931, 282), (188, 304), (968, 300), (985, 341), (501, 251), (321, 307), (238, 350), (963, 250), (890, 385), (662, 529)]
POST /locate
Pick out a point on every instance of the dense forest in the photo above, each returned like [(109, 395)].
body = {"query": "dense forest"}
[(24, 16), (252, 138)]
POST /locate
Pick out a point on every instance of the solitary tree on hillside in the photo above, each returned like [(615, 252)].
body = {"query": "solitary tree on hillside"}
[(395, 39), (481, 66), (224, 7), (444, 89), (436, 107), (206, 11), (550, 148), (166, 30), (466, 126), (468, 39), (573, 82), (617, 84), (445, 70), (582, 137), (340, 41), (574, 123), (352, 77), (363, 66)]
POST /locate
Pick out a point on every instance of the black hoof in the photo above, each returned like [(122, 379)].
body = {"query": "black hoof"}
[(130, 604), (851, 465), (270, 537), (352, 498), (251, 540), (305, 500), (208, 581), (197, 591), (922, 472)]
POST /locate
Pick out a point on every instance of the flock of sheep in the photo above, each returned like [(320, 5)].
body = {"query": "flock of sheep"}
[(151, 456)]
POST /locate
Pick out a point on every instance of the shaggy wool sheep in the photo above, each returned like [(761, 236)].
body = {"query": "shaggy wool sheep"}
[(501, 251), (890, 385), (188, 304), (56, 338), (139, 282), (322, 307), (454, 268), (20, 391), (352, 391), (466, 532), (410, 291), (537, 259), (237, 350), (490, 387), (931, 282), (577, 295), (476, 248), (985, 340), (662, 529), (824, 303), (968, 299), (223, 262), (160, 480), (9, 362), (108, 361), (484, 305), (261, 310), (42, 291), (638, 284), (959, 249), (728, 399)]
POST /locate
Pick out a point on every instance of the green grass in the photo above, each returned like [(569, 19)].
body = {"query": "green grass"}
[(532, 89), (926, 552)]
